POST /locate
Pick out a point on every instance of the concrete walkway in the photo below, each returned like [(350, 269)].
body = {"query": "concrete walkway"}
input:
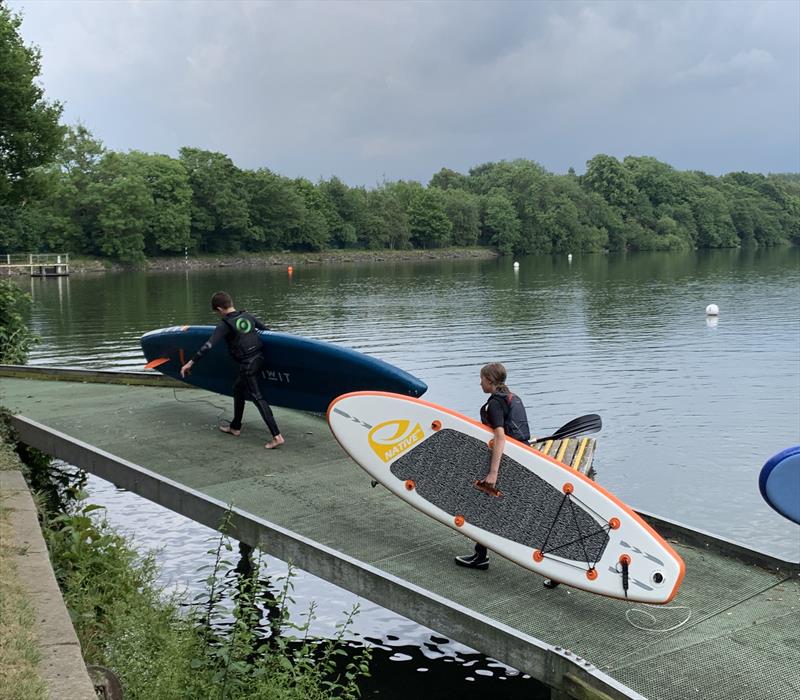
[(733, 632), (61, 665)]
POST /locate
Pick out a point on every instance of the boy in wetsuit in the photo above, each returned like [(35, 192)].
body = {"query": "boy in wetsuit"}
[(240, 331)]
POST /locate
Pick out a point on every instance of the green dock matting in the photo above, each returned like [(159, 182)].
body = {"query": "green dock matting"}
[(742, 640)]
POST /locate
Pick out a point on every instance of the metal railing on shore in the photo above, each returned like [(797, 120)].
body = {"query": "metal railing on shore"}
[(37, 264)]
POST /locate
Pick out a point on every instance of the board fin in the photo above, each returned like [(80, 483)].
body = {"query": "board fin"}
[(156, 363), (488, 489)]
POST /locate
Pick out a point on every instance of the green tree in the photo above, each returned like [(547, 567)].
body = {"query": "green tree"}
[(715, 227), (168, 226), (74, 170), (658, 181), (275, 209), (427, 219), (219, 211), (447, 179), (387, 224), (501, 222), (15, 337), (30, 134), (123, 206), (463, 210), (313, 233), (611, 180), (350, 205)]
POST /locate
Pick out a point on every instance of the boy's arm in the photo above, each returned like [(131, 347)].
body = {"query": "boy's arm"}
[(262, 326), (219, 333)]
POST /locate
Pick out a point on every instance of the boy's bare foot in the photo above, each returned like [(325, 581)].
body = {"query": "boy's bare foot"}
[(230, 431), (277, 441)]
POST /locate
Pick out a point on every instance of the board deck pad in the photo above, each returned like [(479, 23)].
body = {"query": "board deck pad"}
[(530, 511)]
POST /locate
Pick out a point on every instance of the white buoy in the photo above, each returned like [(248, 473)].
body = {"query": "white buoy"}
[(712, 310), (516, 266), (569, 257)]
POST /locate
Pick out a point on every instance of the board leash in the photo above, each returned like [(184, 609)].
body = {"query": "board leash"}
[(220, 420)]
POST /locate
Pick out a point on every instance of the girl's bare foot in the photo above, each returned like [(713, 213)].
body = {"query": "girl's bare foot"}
[(230, 431), (277, 441)]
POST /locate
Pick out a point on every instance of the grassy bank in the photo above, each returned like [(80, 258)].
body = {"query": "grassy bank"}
[(19, 648)]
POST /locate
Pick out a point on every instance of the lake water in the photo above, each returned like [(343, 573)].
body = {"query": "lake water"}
[(692, 406)]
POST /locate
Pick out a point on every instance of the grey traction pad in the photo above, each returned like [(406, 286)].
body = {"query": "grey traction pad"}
[(444, 468)]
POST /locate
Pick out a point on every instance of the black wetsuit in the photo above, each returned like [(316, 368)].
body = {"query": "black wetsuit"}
[(240, 329), (507, 410), (504, 410)]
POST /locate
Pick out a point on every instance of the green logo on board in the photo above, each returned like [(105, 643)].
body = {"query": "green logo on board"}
[(243, 325)]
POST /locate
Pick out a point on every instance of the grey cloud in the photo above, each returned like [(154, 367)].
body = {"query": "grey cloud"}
[(396, 89)]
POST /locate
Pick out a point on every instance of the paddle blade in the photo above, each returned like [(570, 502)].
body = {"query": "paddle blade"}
[(156, 363), (590, 423)]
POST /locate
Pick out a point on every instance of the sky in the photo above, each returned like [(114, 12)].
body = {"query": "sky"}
[(378, 90)]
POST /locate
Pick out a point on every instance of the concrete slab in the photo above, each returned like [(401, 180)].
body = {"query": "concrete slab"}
[(314, 491), (61, 664)]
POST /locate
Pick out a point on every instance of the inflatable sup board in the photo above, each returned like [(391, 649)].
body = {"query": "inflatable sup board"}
[(779, 482), (544, 516), (299, 372)]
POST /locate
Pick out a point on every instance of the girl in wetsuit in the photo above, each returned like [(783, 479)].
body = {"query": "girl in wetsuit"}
[(505, 414)]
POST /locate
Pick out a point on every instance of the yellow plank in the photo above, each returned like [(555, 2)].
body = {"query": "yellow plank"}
[(576, 460), (562, 450)]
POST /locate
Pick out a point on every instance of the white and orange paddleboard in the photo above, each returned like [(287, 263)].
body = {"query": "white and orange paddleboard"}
[(543, 516)]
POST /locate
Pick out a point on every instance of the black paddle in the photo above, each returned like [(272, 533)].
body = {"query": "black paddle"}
[(590, 423)]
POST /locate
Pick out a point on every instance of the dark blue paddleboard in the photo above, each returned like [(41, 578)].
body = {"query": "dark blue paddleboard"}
[(779, 482), (299, 372)]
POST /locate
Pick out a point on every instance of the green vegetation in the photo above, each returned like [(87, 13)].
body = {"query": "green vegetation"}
[(15, 337), (72, 195), (126, 207), (19, 648), (125, 622), (30, 134), (159, 645)]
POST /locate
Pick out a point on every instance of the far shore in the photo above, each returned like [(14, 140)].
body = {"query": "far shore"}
[(295, 259)]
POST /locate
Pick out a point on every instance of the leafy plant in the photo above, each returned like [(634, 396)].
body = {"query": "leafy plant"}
[(15, 337)]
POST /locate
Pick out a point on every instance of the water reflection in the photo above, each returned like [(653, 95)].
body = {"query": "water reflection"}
[(614, 334)]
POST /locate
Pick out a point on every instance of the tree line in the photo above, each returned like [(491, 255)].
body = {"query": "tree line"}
[(62, 191)]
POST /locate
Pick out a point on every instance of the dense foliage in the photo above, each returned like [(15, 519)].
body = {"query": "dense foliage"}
[(15, 337), (90, 201), (30, 134), (126, 206)]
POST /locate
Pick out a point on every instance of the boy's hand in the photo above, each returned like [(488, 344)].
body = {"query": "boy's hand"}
[(186, 368)]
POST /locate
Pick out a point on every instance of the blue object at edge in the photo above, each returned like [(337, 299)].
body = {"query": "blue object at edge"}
[(779, 482)]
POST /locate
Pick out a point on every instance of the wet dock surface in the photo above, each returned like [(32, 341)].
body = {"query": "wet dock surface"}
[(733, 631)]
